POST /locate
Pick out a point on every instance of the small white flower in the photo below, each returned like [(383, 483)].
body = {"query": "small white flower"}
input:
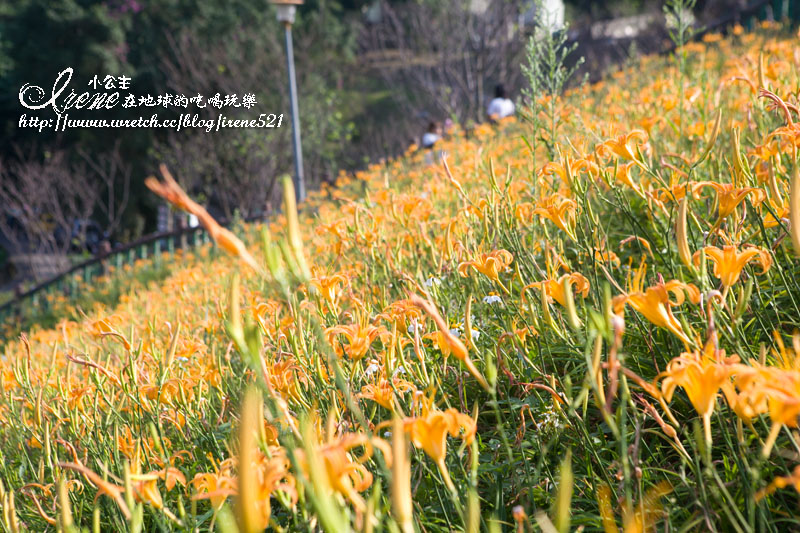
[(430, 282), (371, 369), (398, 370), (455, 332), (492, 299), (475, 334), (387, 434)]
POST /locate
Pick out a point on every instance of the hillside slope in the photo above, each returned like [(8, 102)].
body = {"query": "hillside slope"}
[(593, 326)]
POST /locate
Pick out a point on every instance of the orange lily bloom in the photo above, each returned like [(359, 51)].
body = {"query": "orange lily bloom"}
[(347, 475), (641, 518), (701, 375), (560, 211), (429, 432), (145, 489), (215, 487), (453, 343), (728, 263), (382, 392), (399, 312), (359, 338), (568, 168), (782, 214), (780, 482), (654, 302), (329, 287), (174, 194), (622, 174), (621, 146), (729, 196), (489, 264), (111, 490), (554, 288)]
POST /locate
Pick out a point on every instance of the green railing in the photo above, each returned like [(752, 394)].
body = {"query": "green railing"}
[(66, 283)]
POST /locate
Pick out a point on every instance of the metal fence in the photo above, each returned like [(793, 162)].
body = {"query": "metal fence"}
[(66, 283)]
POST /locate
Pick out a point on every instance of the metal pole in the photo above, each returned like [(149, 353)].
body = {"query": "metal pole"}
[(299, 179)]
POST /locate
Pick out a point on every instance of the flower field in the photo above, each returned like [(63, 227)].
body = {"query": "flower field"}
[(593, 326)]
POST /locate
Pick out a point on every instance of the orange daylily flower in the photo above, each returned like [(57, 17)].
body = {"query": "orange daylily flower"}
[(622, 174), (560, 211), (174, 194), (622, 145), (382, 392), (429, 432), (700, 374), (453, 343), (780, 482), (345, 473), (146, 490), (728, 262), (399, 312), (359, 338), (111, 490), (641, 518), (215, 487), (654, 302), (554, 288), (489, 264), (567, 169), (729, 196), (329, 287)]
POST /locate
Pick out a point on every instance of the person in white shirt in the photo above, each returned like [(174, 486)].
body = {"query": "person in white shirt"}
[(501, 106), (433, 134)]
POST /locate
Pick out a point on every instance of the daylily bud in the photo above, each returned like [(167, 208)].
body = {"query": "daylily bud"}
[(468, 323), (564, 496), (272, 254), (65, 515), (794, 210), (681, 233), (548, 318), (712, 139), (762, 81), (234, 322), (741, 171), (247, 514), (744, 297), (569, 301), (402, 507), (295, 239), (492, 177), (448, 243)]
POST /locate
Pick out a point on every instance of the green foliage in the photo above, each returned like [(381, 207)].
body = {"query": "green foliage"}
[(547, 74)]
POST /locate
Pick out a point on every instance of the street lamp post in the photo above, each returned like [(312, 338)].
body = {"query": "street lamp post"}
[(286, 11)]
